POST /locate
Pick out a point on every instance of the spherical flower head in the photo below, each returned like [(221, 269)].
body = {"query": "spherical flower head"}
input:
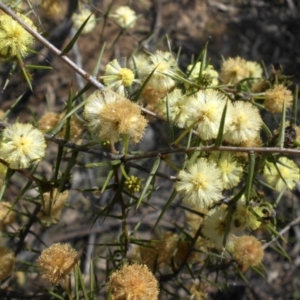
[(7, 262), (122, 118), (133, 282), (247, 251), (214, 227), (234, 70), (139, 62), (125, 17), (200, 184), (207, 108), (79, 18), (276, 96), (151, 98), (22, 145), (94, 106), (163, 66), (231, 170), (178, 108), (15, 41), (246, 216), (52, 205), (246, 123), (57, 261), (117, 78), (254, 69), (133, 184), (48, 121), (51, 8), (209, 70), (7, 215), (286, 174)]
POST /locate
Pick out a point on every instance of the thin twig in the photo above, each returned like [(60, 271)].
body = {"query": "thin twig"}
[(281, 232)]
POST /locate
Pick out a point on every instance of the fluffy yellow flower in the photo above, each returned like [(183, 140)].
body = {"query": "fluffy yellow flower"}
[(57, 261), (207, 108), (234, 70), (245, 216), (164, 66), (246, 123), (110, 115), (209, 70), (22, 145), (122, 118), (15, 41), (276, 96), (231, 170), (200, 184), (254, 69), (214, 227), (117, 78), (94, 105), (133, 282), (138, 62), (125, 17), (178, 106), (79, 18), (286, 174), (7, 262)]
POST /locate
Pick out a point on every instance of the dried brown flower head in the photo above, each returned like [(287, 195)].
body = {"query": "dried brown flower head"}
[(159, 253), (57, 261), (50, 120), (151, 98), (133, 282), (168, 250), (247, 251)]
